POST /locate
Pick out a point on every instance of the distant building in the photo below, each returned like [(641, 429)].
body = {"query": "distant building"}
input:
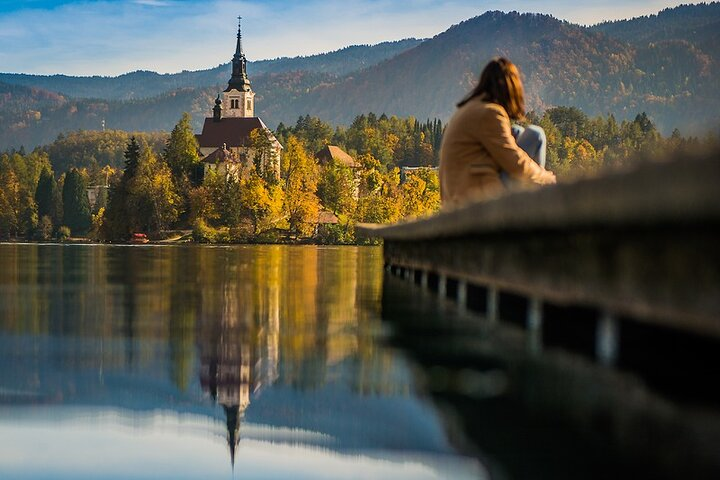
[(97, 196), (225, 141), (405, 171), (332, 153)]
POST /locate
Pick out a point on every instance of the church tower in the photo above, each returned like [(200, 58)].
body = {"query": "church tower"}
[(238, 97)]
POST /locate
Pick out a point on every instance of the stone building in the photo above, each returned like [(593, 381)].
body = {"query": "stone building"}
[(225, 142)]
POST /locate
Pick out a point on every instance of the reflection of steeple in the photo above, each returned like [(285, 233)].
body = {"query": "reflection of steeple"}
[(234, 330), (232, 420), (225, 374)]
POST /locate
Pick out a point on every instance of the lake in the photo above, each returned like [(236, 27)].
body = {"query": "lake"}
[(162, 362)]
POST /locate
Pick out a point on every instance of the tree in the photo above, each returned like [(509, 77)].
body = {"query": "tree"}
[(76, 206), (151, 200), (382, 202), (299, 176), (260, 203), (9, 199), (264, 158), (336, 188), (48, 198), (181, 151), (420, 194), (116, 224), (132, 157)]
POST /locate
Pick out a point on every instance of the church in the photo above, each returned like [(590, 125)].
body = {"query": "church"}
[(225, 142)]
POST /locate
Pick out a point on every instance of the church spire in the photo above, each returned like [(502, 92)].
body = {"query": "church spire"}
[(238, 48), (239, 79)]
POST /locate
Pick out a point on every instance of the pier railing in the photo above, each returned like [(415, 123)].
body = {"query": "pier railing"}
[(615, 281), (601, 266)]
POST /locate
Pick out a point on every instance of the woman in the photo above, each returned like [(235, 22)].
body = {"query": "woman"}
[(478, 144)]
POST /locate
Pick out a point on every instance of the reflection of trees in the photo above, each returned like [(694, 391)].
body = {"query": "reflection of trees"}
[(184, 299), (230, 303)]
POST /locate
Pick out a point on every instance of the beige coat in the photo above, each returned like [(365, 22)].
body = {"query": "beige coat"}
[(476, 146)]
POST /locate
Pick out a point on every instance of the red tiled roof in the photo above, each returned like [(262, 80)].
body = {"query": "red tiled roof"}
[(331, 152), (221, 155), (326, 216), (233, 132)]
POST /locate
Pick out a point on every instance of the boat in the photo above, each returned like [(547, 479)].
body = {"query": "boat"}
[(139, 238)]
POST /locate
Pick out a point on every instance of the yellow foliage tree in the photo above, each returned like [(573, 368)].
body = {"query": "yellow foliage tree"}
[(299, 173)]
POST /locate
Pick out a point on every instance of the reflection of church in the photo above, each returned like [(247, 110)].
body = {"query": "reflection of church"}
[(226, 142), (238, 348)]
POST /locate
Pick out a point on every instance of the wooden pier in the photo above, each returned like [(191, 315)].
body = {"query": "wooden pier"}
[(622, 271)]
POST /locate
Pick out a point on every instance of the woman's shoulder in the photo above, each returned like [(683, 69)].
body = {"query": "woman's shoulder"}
[(481, 108)]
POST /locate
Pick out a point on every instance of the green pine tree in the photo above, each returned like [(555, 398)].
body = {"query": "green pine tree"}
[(181, 151), (76, 211), (132, 157), (47, 198)]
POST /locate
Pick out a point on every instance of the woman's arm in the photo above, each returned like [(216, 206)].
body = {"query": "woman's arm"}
[(496, 137)]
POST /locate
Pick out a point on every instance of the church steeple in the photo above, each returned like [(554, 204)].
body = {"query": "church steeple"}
[(239, 79), (238, 98)]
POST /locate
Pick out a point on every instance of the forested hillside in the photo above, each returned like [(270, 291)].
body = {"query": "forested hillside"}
[(666, 65), (675, 82), (143, 84), (698, 24)]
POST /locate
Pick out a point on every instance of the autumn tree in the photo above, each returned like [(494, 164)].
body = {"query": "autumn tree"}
[(263, 155), (299, 179), (381, 202), (261, 203), (152, 203), (420, 194), (337, 187), (9, 199)]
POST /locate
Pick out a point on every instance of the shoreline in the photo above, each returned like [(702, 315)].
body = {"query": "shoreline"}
[(182, 243)]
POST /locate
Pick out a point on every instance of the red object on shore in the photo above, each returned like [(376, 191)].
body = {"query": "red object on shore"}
[(139, 238)]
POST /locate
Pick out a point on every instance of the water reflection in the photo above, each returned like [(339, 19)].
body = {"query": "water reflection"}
[(271, 350)]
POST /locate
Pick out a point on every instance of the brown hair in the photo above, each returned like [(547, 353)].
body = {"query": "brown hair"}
[(500, 83)]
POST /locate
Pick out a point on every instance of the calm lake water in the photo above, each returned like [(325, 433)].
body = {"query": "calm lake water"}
[(180, 362)]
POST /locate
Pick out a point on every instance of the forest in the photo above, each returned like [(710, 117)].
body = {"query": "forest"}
[(151, 182)]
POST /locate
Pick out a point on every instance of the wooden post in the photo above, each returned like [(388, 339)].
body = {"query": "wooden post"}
[(534, 325), (442, 286), (492, 304), (462, 295), (607, 340)]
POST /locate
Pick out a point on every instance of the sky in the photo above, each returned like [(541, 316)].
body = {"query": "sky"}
[(111, 37)]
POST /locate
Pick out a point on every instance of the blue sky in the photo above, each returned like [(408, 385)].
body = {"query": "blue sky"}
[(111, 37)]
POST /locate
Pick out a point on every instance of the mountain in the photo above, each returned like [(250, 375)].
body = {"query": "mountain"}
[(31, 116), (674, 81), (143, 84), (698, 23), (666, 65)]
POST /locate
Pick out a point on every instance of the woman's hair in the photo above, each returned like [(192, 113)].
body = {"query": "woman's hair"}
[(500, 83)]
